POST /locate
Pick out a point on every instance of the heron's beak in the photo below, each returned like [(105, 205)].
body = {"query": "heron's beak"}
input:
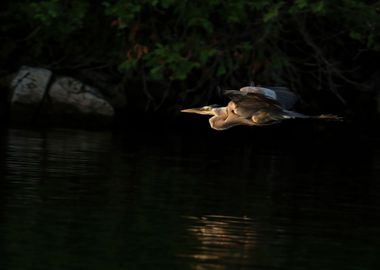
[(206, 110), (192, 110)]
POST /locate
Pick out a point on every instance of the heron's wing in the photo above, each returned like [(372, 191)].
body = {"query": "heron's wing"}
[(251, 98), (248, 103), (278, 88), (283, 95)]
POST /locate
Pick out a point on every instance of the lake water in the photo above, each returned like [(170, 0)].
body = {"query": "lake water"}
[(72, 199)]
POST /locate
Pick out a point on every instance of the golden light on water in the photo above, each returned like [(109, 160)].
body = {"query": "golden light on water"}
[(221, 239)]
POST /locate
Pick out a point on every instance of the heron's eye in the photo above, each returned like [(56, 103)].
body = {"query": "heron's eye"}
[(206, 108)]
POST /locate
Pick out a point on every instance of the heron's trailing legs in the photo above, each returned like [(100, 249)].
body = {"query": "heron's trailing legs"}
[(294, 115)]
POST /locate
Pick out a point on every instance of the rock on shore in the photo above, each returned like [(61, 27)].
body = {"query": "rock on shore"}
[(38, 96)]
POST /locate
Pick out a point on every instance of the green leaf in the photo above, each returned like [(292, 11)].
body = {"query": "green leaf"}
[(128, 65), (273, 13), (221, 69), (203, 23), (206, 54), (319, 7), (167, 3), (301, 4), (356, 35), (156, 72)]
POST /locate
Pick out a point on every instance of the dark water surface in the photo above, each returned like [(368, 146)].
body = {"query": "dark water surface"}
[(72, 199)]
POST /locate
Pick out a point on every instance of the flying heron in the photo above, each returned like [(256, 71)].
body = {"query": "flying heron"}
[(254, 106)]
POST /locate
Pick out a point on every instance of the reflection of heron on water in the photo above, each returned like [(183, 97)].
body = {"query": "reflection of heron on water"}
[(254, 106)]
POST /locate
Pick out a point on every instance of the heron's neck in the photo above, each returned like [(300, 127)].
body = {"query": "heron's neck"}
[(219, 111)]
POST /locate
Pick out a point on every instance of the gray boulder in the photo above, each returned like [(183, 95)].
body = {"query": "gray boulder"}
[(70, 97), (28, 90), (39, 97)]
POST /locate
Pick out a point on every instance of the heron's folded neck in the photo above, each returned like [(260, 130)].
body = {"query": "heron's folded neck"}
[(220, 111)]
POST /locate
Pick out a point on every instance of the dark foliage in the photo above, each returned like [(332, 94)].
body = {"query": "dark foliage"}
[(163, 54)]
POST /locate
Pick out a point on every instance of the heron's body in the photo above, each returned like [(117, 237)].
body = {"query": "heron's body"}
[(254, 106)]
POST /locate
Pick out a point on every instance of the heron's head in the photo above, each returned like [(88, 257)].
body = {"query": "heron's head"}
[(205, 110)]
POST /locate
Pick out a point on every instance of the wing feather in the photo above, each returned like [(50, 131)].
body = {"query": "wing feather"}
[(249, 103), (283, 95)]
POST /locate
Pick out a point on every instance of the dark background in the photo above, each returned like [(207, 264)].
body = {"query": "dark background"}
[(151, 58)]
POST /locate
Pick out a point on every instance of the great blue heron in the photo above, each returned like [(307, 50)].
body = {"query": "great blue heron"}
[(254, 106)]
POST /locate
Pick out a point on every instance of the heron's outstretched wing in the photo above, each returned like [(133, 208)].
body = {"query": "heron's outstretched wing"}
[(283, 95), (248, 103)]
